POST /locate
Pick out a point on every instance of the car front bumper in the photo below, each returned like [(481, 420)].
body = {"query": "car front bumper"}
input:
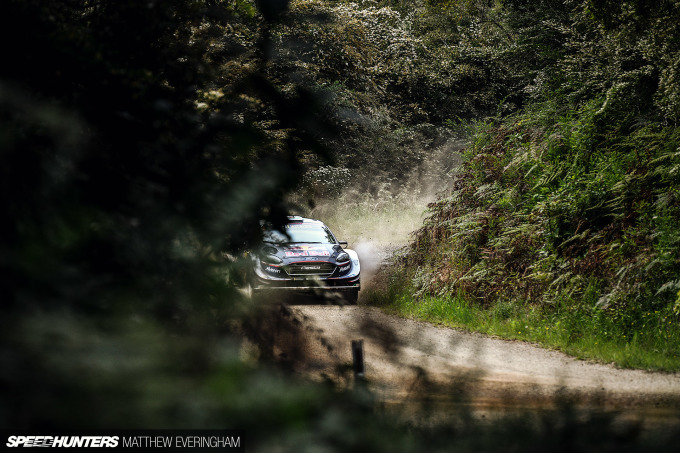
[(264, 282), (313, 284), (309, 285)]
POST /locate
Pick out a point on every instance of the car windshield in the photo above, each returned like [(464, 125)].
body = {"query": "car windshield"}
[(300, 232)]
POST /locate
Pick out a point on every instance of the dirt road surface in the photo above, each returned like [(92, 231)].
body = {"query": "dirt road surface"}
[(409, 363)]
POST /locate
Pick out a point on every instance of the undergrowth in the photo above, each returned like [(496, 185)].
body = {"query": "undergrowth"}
[(561, 228)]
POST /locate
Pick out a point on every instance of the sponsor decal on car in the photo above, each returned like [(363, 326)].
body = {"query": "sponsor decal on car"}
[(344, 268), (301, 226), (305, 247), (306, 250)]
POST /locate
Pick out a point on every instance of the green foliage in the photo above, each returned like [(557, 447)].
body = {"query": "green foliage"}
[(136, 167), (574, 197), (326, 181), (543, 212), (418, 65), (399, 71), (142, 143)]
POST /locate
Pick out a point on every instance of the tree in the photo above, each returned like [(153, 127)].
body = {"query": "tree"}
[(130, 164)]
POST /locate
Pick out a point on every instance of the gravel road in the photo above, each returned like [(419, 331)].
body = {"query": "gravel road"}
[(409, 362)]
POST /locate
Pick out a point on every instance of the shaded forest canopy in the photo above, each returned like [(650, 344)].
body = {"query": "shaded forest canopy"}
[(142, 143)]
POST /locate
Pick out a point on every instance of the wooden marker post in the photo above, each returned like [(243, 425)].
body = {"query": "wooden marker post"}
[(358, 359)]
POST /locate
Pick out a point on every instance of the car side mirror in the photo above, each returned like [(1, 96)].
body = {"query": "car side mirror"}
[(343, 243)]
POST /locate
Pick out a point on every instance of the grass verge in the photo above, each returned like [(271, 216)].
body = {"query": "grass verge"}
[(577, 332)]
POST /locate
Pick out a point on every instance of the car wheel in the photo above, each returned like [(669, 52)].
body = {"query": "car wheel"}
[(351, 296)]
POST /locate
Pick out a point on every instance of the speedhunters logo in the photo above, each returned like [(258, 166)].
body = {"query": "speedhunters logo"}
[(63, 441), (231, 439)]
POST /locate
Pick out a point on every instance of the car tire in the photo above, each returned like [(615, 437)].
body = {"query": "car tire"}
[(351, 296)]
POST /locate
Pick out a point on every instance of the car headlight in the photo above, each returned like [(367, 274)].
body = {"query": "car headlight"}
[(268, 255), (268, 250), (271, 259), (342, 257)]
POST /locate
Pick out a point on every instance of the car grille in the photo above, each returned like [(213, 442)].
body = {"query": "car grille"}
[(310, 268)]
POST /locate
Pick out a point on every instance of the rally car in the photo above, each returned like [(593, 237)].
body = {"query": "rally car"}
[(304, 256)]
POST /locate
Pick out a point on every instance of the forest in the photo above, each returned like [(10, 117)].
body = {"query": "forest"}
[(143, 142)]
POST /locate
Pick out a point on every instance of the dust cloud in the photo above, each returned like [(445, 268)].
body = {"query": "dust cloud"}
[(378, 216), (377, 225), (372, 258)]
